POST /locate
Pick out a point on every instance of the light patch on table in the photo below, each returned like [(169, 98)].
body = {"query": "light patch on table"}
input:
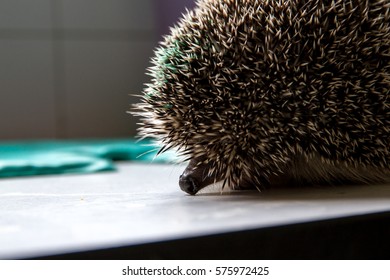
[(9, 229)]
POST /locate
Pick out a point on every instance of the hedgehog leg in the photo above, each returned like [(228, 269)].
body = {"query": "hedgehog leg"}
[(195, 177)]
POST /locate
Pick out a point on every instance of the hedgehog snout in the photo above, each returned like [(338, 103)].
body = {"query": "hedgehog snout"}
[(193, 178), (188, 184)]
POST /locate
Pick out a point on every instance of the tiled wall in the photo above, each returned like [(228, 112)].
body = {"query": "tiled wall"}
[(67, 67)]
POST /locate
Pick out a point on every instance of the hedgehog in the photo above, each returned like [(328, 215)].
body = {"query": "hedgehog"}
[(257, 93)]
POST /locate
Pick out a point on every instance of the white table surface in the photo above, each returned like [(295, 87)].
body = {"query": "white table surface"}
[(142, 203)]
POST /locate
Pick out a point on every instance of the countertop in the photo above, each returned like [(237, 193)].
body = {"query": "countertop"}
[(142, 205)]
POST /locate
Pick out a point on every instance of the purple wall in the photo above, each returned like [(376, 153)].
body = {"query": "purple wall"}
[(167, 13)]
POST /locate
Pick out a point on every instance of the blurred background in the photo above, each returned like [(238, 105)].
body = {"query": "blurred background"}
[(68, 67)]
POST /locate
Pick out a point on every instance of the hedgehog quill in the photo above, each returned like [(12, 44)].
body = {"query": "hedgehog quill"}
[(257, 92)]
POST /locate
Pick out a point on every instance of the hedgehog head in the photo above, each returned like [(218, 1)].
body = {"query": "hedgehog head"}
[(204, 96)]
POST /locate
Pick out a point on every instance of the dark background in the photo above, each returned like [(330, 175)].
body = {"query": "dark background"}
[(68, 67)]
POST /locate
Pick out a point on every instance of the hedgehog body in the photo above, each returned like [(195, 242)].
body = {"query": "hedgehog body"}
[(254, 92)]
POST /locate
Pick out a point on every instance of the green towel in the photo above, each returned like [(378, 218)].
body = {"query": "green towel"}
[(85, 156)]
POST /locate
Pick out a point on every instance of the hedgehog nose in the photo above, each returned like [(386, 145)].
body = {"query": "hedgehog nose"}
[(188, 184)]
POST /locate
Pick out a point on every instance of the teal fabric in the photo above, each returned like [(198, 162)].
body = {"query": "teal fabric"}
[(58, 157)]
